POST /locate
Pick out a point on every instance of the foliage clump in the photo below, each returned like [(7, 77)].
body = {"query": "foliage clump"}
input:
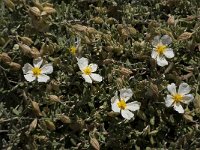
[(64, 111)]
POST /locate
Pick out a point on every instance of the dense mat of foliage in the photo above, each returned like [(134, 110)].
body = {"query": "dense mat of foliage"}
[(68, 113)]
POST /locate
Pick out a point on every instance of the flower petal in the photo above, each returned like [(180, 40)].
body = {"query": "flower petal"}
[(178, 107), (171, 88), (96, 77), (161, 61), (114, 97), (133, 106), (82, 63), (169, 101), (77, 40), (87, 78), (114, 101), (43, 78), (166, 39), (47, 69), (125, 94), (29, 77), (156, 40), (127, 114), (187, 98), (27, 68), (169, 53), (184, 88), (37, 62), (154, 54), (94, 67)]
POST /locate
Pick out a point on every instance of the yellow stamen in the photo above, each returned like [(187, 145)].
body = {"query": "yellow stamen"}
[(177, 98), (160, 48), (121, 104), (87, 70), (36, 71), (73, 50)]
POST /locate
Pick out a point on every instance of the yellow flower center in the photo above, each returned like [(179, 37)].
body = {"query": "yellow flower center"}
[(121, 104), (160, 48), (87, 70), (177, 98), (36, 71), (73, 50)]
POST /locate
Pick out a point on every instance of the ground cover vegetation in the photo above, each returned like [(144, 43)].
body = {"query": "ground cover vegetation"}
[(99, 74)]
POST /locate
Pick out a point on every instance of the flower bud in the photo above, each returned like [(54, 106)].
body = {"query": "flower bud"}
[(119, 82), (98, 20), (9, 4), (26, 40), (46, 4), (33, 124), (111, 21), (14, 66), (77, 126), (49, 10), (26, 50), (35, 11), (191, 18), (101, 10), (125, 71), (95, 143), (54, 98), (2, 41), (5, 58), (41, 138), (171, 20), (108, 61), (50, 125), (65, 119), (35, 52), (185, 36), (38, 5), (36, 108)]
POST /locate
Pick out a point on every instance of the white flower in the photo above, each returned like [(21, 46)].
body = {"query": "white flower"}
[(88, 70), (73, 49), (176, 98), (161, 49), (119, 103), (31, 73)]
